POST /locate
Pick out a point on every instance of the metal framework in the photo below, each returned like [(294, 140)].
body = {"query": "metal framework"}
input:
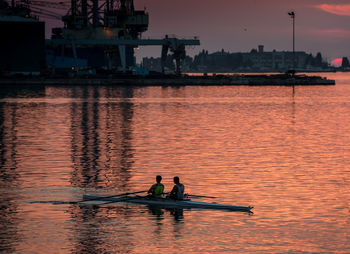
[(174, 45), (116, 26)]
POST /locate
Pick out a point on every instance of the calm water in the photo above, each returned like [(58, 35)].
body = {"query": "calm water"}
[(286, 154)]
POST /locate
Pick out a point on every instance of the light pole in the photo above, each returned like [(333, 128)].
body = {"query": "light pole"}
[(292, 15)]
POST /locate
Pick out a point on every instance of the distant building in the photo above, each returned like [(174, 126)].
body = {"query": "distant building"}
[(257, 60), (22, 45), (152, 64), (275, 60)]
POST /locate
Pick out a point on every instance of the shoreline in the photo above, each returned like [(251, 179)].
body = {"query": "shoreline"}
[(164, 80)]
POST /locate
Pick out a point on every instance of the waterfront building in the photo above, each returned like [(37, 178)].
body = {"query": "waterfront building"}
[(261, 60), (257, 60), (22, 44), (152, 63)]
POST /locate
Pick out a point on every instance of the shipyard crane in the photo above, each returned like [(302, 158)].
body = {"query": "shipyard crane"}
[(108, 13), (110, 30), (103, 33)]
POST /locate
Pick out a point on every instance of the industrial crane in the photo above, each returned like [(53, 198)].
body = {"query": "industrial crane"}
[(91, 25), (98, 33), (82, 14), (108, 13), (97, 30)]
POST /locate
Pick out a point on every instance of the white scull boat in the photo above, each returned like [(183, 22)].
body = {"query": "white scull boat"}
[(167, 203)]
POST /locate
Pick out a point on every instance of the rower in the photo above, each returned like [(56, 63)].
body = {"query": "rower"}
[(178, 190), (157, 189)]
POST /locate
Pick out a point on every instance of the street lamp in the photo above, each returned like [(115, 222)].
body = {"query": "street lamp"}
[(292, 15)]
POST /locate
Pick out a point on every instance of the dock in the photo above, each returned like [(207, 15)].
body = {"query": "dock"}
[(173, 80)]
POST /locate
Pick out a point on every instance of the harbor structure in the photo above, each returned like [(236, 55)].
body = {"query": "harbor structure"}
[(105, 35), (22, 44), (97, 36), (102, 35), (89, 27)]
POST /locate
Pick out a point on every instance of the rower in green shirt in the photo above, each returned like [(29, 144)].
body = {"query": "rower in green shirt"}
[(157, 189)]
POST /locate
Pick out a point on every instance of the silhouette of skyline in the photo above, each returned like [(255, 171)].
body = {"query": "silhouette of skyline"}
[(238, 26)]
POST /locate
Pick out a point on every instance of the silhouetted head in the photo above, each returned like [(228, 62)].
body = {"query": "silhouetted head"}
[(158, 178), (176, 179)]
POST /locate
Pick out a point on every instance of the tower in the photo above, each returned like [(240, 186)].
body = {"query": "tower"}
[(93, 21)]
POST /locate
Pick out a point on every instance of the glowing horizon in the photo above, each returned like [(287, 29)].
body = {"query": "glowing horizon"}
[(337, 62)]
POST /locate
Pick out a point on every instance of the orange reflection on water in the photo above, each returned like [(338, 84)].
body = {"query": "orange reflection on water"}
[(285, 154)]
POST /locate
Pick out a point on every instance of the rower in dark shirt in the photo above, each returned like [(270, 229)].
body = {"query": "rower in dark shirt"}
[(178, 190)]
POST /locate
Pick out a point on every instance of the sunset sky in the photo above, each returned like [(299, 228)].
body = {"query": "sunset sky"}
[(240, 25)]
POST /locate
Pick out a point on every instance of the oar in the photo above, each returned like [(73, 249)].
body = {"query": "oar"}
[(198, 196), (122, 200), (195, 196), (119, 195)]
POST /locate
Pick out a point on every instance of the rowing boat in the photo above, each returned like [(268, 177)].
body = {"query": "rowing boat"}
[(167, 203)]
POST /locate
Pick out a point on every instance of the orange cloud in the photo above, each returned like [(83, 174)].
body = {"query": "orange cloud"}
[(337, 9)]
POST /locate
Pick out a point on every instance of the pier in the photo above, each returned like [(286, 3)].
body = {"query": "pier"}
[(173, 80)]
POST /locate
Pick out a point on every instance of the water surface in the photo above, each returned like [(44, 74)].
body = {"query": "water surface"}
[(285, 153)]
